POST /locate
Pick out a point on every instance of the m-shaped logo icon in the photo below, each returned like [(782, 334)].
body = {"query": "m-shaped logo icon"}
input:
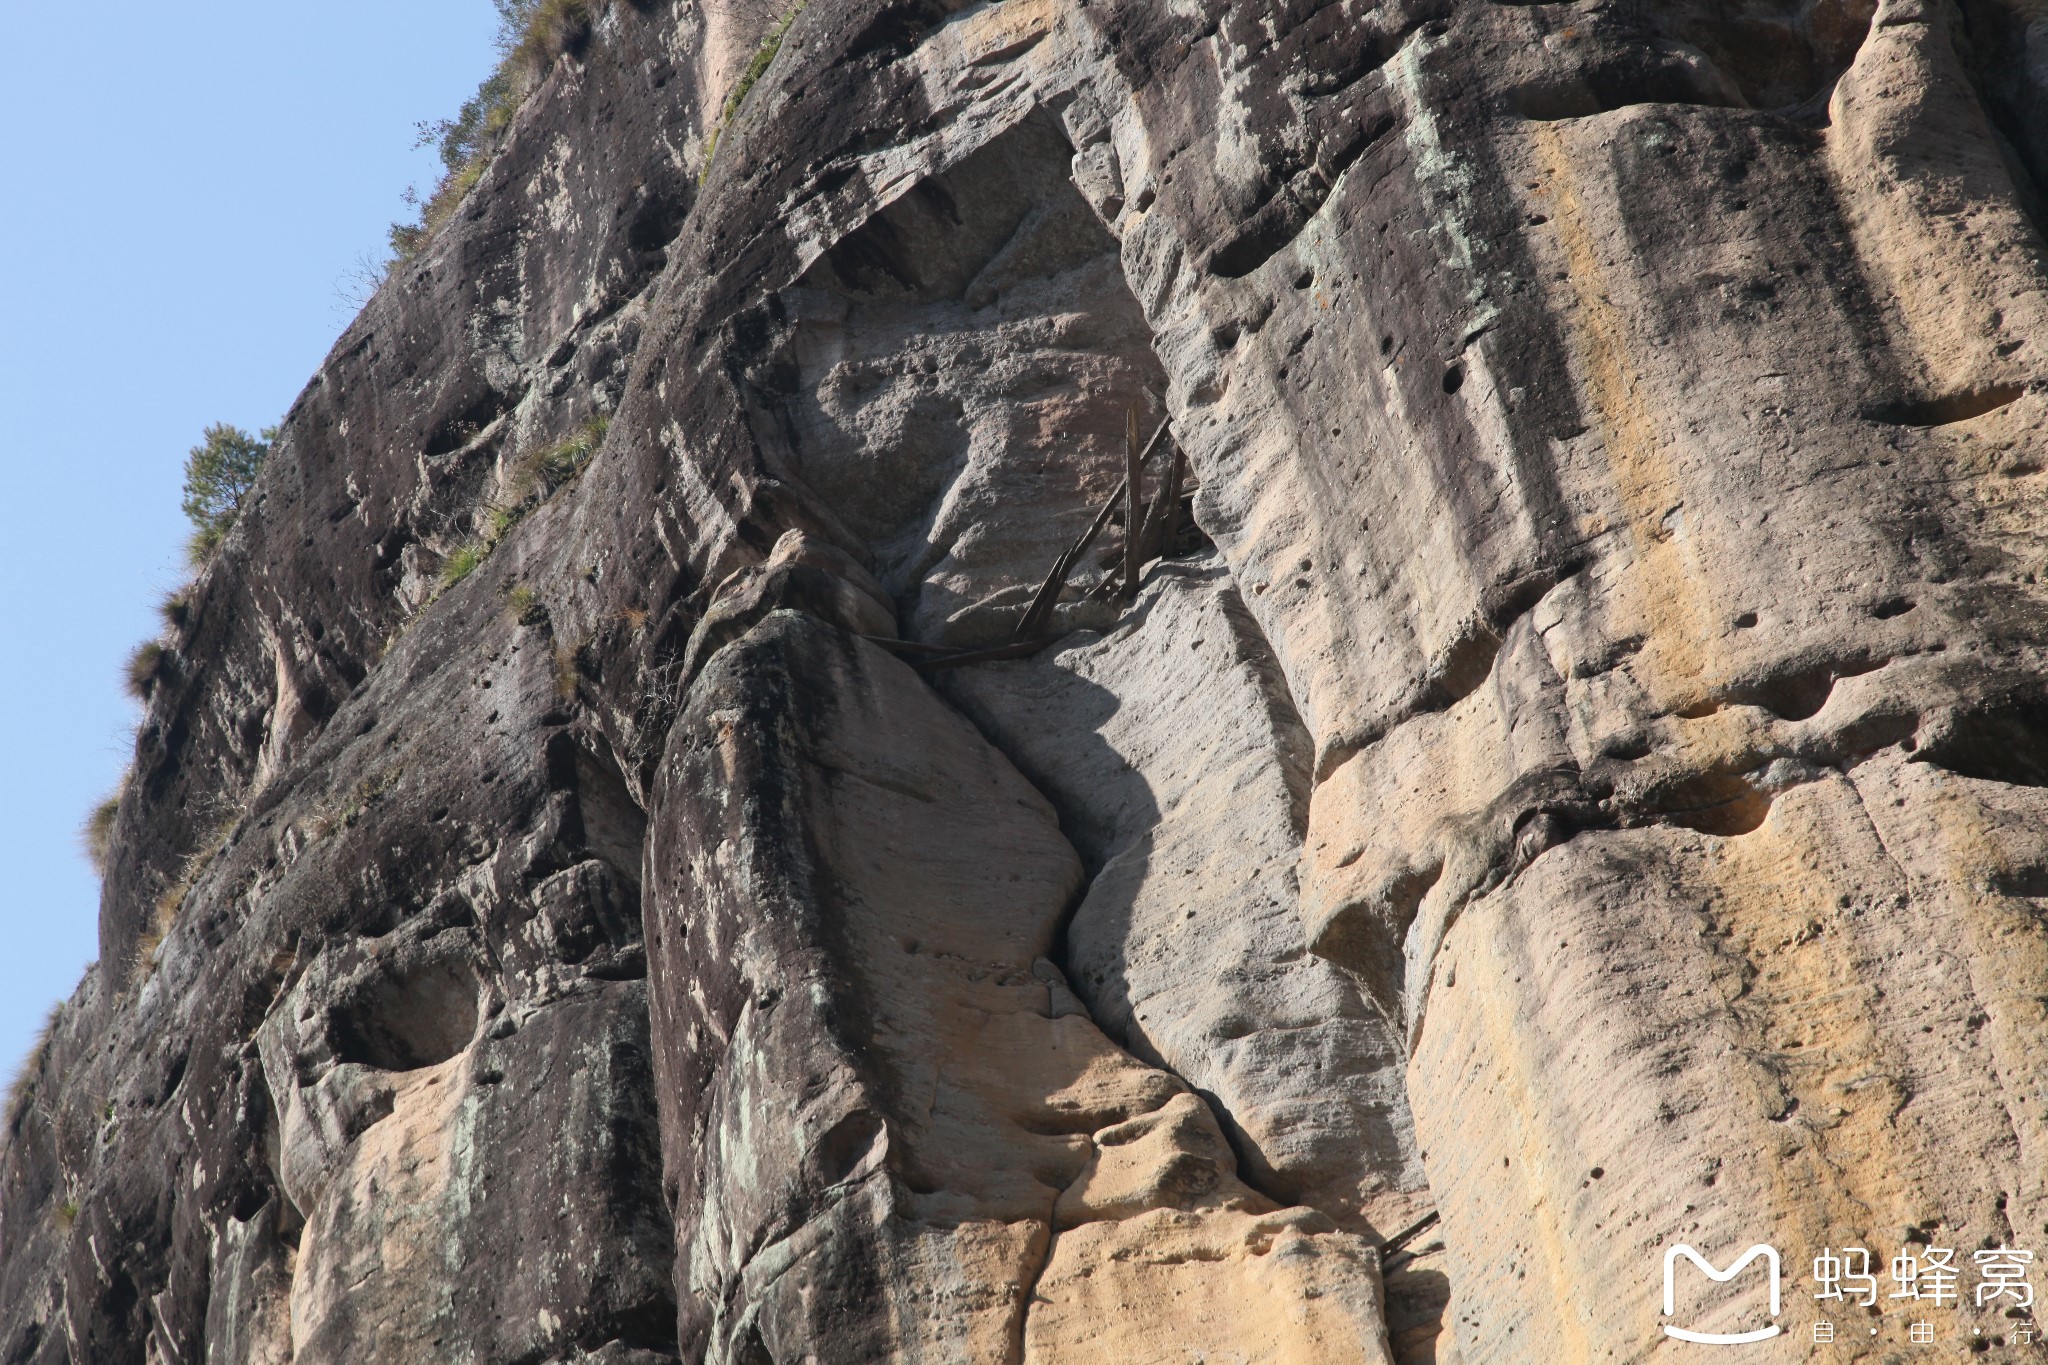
[(1770, 1257)]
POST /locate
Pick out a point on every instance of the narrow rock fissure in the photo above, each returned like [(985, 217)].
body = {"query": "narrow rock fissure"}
[(1029, 1290), (1415, 1295), (1060, 955)]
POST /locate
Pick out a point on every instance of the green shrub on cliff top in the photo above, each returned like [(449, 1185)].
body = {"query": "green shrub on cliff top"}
[(531, 35), (462, 561), (219, 472)]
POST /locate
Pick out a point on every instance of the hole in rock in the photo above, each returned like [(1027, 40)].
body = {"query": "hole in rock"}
[(1293, 200), (1538, 832), (252, 1200), (2007, 743), (1948, 410), (1713, 53), (1626, 749), (408, 1018), (1604, 89), (1721, 804), (751, 1350), (655, 221), (1370, 941), (1466, 664), (2020, 881), (120, 1297), (614, 827), (844, 1144), (173, 1074), (1789, 696), (458, 431), (1798, 693), (1417, 1299)]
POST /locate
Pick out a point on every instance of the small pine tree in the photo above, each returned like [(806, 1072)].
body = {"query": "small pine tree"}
[(218, 474)]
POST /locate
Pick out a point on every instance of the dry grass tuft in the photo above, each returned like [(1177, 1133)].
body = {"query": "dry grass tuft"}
[(172, 902), (540, 474), (462, 561), (175, 609), (526, 607), (97, 834), (144, 668), (531, 481), (21, 1091), (366, 792)]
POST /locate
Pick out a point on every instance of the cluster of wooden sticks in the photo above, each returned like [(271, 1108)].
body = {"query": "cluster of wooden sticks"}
[(1150, 530)]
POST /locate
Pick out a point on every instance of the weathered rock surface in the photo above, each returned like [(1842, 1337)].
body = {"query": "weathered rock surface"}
[(1584, 780), (893, 1126)]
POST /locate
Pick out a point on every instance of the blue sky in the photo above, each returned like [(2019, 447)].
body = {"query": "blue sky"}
[(188, 189)]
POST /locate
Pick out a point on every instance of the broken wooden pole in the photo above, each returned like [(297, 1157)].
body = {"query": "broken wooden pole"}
[(1134, 516), (1170, 534), (1154, 544), (1016, 649), (1047, 598), (1408, 1234), (891, 642), (1394, 1251)]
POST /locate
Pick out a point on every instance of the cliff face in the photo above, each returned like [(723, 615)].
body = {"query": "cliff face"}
[(1582, 775)]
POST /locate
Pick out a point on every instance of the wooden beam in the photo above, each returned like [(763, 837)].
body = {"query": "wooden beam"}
[(906, 646), (1047, 598), (1016, 649), (1394, 1251), (1153, 544), (1169, 535), (1134, 504)]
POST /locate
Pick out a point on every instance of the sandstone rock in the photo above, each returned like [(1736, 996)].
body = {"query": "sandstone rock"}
[(1173, 752), (862, 1069)]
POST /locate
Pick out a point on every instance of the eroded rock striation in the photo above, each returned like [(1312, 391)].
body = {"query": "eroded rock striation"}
[(1574, 784)]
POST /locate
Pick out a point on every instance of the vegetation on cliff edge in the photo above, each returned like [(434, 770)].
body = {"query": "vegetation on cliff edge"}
[(533, 479), (219, 472), (531, 35)]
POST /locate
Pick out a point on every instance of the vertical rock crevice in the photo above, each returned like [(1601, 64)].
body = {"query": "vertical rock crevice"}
[(1017, 1151), (869, 382)]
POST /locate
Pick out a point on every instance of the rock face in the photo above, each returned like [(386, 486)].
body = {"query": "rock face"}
[(1580, 778)]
